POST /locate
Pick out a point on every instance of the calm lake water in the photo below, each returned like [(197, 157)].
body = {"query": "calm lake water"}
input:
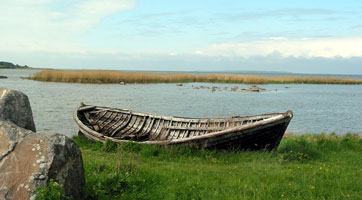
[(317, 108)]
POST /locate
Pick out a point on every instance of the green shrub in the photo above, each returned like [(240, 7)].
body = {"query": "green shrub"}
[(54, 191), (107, 186), (352, 142), (110, 146), (132, 147), (298, 149), (151, 150)]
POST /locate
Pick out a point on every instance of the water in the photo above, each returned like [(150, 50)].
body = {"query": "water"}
[(317, 108)]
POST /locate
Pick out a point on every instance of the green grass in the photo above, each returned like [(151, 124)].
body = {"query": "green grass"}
[(304, 167)]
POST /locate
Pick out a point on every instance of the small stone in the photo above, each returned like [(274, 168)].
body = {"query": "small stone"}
[(43, 165), (33, 149)]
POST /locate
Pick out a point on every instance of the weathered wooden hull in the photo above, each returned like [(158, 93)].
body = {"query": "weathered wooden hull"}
[(248, 133)]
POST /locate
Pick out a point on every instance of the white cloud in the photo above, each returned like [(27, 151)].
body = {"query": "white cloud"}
[(278, 38), (305, 47), (198, 52), (52, 25)]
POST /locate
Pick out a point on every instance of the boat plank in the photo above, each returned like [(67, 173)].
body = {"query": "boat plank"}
[(164, 132), (173, 132), (119, 119), (182, 132), (187, 132), (118, 125), (154, 126), (140, 127), (147, 131), (99, 116), (130, 125), (124, 124), (108, 122), (156, 129)]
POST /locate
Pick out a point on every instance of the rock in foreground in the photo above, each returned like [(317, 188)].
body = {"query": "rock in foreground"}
[(29, 160), (15, 107)]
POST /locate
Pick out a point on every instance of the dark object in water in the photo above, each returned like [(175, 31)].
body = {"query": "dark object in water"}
[(118, 125), (1, 76)]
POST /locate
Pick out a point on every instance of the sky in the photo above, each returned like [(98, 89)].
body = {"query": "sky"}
[(310, 36)]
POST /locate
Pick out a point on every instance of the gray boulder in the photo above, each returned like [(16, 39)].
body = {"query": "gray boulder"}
[(15, 107), (29, 160)]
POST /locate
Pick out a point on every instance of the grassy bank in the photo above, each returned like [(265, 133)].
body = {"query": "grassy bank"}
[(304, 167), (104, 76)]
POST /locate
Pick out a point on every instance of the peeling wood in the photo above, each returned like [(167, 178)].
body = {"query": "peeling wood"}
[(119, 125)]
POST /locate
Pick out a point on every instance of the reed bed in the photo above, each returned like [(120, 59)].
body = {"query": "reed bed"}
[(107, 76)]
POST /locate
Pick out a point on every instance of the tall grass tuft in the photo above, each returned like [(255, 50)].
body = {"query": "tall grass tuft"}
[(54, 191), (299, 149), (105, 76)]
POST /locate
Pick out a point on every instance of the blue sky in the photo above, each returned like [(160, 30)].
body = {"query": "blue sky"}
[(295, 36)]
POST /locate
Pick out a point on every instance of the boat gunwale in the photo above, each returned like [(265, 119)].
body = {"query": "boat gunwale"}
[(167, 117), (102, 138)]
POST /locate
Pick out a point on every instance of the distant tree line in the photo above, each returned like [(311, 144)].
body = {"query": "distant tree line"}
[(8, 65)]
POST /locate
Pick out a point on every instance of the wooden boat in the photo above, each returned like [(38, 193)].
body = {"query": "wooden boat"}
[(257, 132)]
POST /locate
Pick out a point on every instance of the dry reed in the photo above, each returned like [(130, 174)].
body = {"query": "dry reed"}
[(105, 76)]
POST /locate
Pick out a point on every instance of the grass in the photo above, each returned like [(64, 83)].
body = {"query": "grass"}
[(304, 167), (105, 76)]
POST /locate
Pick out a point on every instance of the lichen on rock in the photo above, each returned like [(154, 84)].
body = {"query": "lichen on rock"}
[(29, 160)]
